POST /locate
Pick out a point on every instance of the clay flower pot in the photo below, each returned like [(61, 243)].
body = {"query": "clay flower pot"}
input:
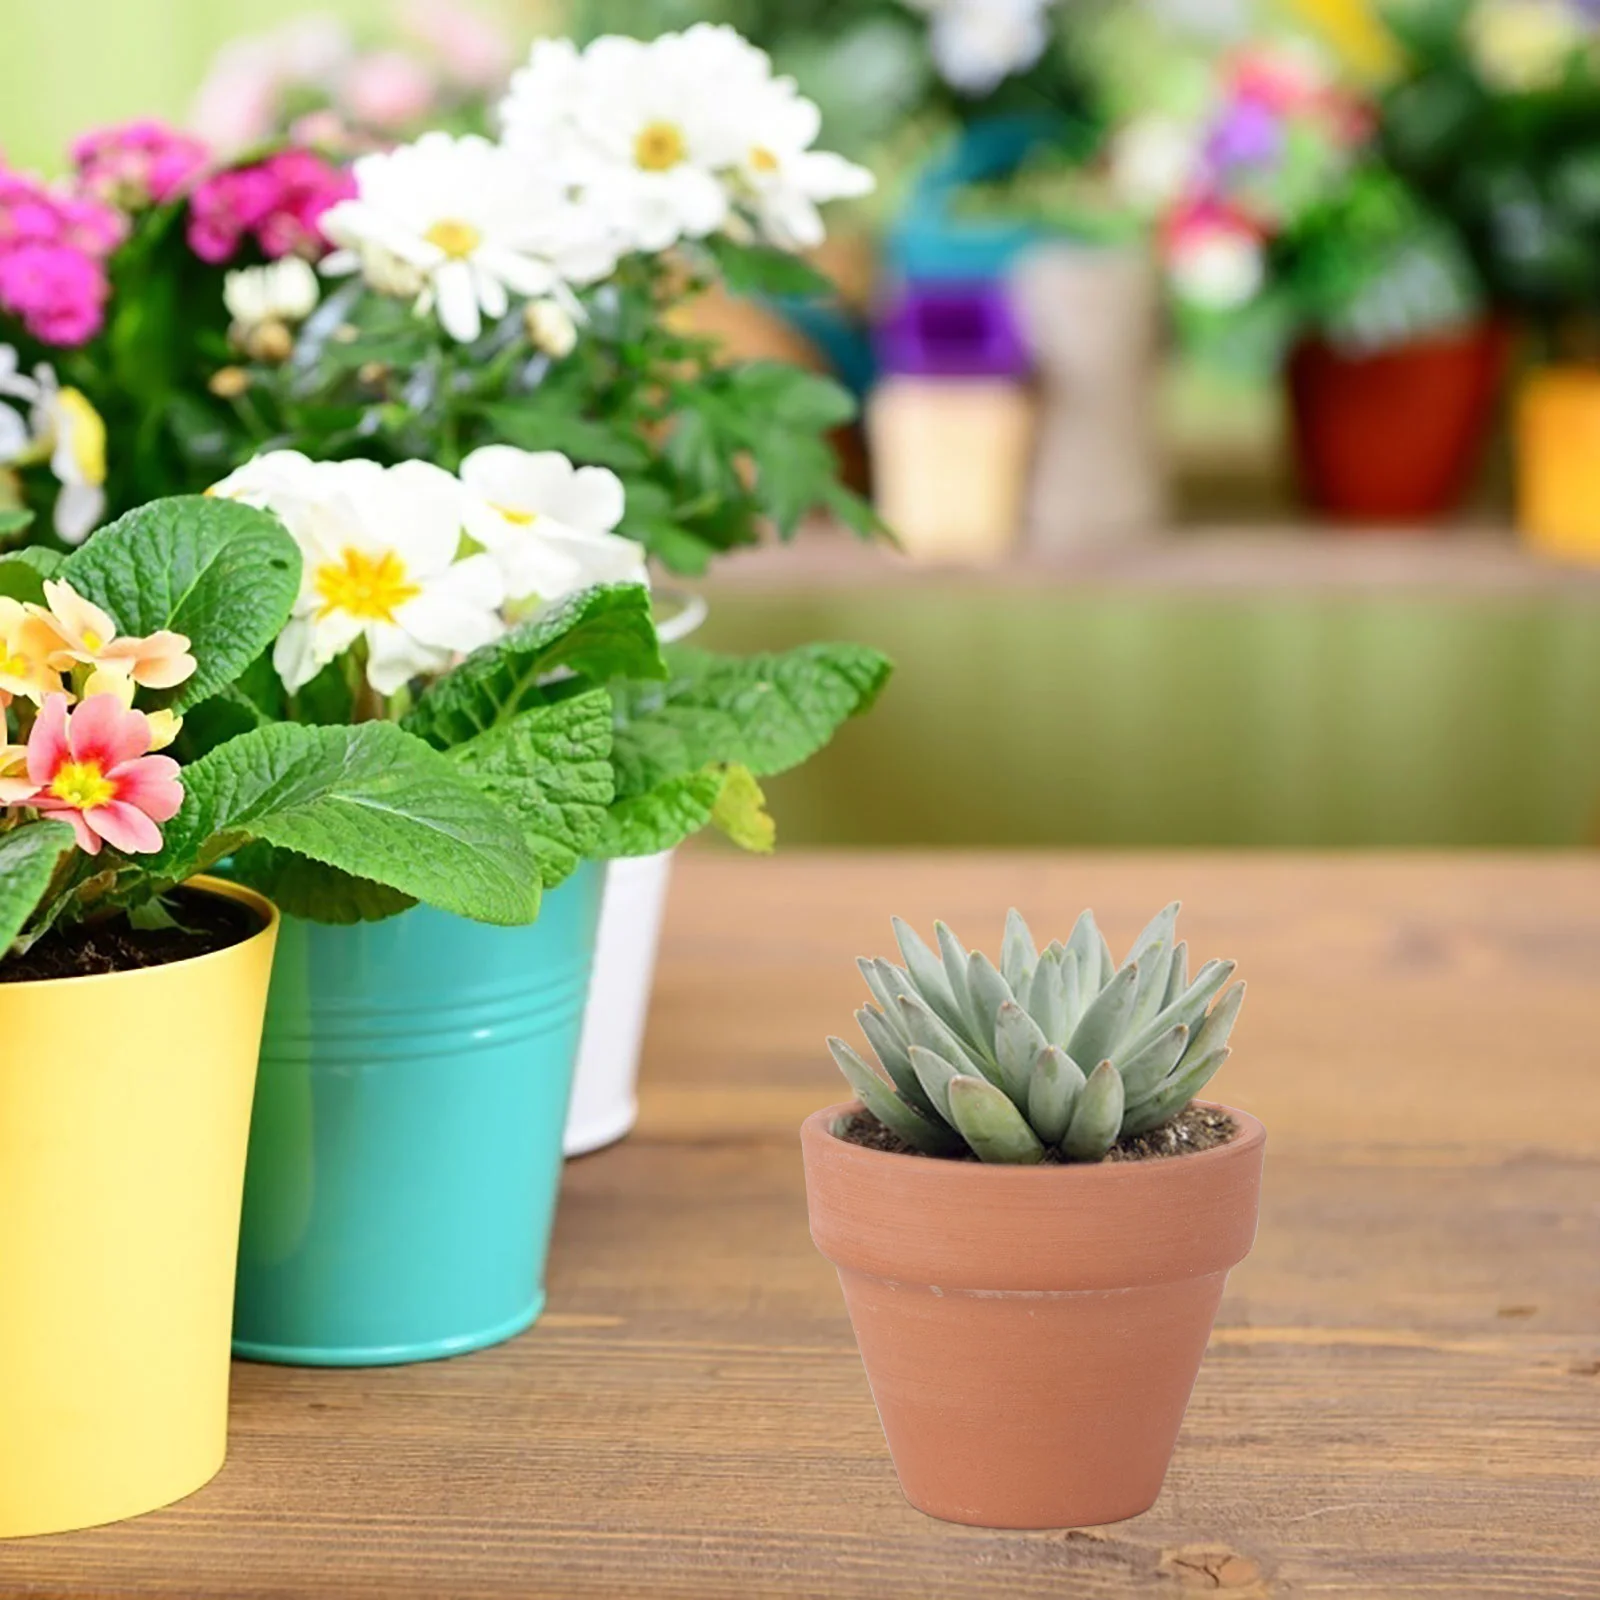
[(1031, 1334), (1399, 434)]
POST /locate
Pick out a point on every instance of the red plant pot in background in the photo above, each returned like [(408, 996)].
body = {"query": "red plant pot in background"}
[(1397, 435)]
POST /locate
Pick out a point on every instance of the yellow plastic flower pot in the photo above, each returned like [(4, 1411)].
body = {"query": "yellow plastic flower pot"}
[(1558, 463), (124, 1117)]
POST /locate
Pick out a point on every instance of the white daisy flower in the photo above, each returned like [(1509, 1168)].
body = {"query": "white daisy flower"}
[(978, 44), (281, 291), (782, 179), (470, 225), (547, 523), (380, 547)]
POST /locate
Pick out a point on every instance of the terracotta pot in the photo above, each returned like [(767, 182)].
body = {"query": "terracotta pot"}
[(1558, 462), (1031, 1334), (1397, 435)]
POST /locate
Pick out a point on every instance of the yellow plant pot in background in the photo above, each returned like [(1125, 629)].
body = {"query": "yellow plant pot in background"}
[(1558, 463), (124, 1117)]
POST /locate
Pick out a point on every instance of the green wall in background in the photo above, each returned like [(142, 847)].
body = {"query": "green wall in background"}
[(1021, 718), (68, 65)]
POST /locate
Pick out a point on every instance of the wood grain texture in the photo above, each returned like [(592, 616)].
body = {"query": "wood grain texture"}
[(1402, 1397)]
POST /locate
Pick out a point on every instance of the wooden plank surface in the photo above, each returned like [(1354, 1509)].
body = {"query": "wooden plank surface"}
[(1402, 1397)]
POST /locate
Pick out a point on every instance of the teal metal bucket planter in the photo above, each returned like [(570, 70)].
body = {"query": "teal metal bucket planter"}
[(405, 1147)]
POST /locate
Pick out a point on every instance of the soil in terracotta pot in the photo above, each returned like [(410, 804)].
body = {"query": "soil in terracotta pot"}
[(1195, 1128), (208, 923)]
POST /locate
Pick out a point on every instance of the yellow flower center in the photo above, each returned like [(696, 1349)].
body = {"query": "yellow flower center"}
[(372, 588), (457, 239), (13, 667), (660, 147), (518, 519), (85, 436), (763, 160), (92, 641), (82, 785)]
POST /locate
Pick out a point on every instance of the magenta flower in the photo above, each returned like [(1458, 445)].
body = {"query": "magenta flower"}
[(93, 770), (278, 203), (137, 164), (57, 292)]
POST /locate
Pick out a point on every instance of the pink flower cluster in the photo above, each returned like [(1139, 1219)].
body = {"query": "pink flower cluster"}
[(137, 164), (53, 250), (278, 202)]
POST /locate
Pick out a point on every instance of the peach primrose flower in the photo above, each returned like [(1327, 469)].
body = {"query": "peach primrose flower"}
[(116, 678), (15, 785), (25, 647), (86, 636), (92, 769)]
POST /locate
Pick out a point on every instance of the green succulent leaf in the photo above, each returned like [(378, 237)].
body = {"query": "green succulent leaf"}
[(988, 991), (550, 769), (1177, 975), (1106, 1018), (923, 1027), (223, 574), (935, 1073), (1142, 1072), (1216, 1030), (928, 976), (1053, 1089), (605, 632), (892, 1051), (1193, 1074), (1018, 1039), (1018, 955), (887, 1107), (1188, 1008), (993, 1128), (1097, 1117), (29, 856), (888, 984), (371, 801)]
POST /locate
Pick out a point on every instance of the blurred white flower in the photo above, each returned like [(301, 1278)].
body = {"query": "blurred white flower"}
[(679, 137), (380, 548), (62, 428), (1153, 160), (547, 523), (978, 44), (1216, 266), (551, 328), (281, 291), (469, 225)]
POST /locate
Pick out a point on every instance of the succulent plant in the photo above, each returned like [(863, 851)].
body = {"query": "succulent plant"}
[(1057, 1051)]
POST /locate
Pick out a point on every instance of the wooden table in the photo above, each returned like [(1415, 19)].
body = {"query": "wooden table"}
[(1402, 1397)]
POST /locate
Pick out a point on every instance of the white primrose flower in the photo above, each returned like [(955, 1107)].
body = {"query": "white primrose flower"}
[(678, 137), (281, 291), (978, 44), (381, 548), (1153, 161), (62, 428), (547, 523), (464, 225)]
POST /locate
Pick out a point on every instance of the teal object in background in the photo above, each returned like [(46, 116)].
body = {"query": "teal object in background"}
[(405, 1149)]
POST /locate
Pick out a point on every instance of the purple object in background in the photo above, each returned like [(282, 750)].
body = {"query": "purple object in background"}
[(1249, 134), (952, 330)]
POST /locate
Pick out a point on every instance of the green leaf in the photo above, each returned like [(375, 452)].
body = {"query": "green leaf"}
[(781, 394), (749, 269), (534, 427), (223, 574), (605, 632), (767, 713), (660, 818), (888, 1107), (994, 1129), (550, 769), (741, 813), (300, 887), (29, 856), (371, 801), (22, 572), (14, 519)]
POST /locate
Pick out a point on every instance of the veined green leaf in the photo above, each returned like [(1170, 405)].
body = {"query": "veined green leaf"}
[(29, 856)]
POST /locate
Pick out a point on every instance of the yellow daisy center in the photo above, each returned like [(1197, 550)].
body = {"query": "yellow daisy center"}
[(763, 160), (660, 147), (372, 588), (518, 519), (82, 785), (92, 641), (457, 239)]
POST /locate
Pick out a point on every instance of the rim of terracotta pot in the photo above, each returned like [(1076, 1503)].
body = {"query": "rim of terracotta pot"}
[(263, 908), (981, 1227)]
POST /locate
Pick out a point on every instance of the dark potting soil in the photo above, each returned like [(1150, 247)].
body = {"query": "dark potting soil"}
[(209, 923), (1194, 1128)]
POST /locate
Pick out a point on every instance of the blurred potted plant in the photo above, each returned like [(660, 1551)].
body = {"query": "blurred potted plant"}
[(1033, 1219), (1496, 119), (141, 984)]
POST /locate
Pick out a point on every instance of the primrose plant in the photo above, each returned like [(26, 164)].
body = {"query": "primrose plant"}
[(1052, 1055), (124, 649)]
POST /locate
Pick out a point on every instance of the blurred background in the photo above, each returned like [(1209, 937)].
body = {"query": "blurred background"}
[(1230, 372)]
